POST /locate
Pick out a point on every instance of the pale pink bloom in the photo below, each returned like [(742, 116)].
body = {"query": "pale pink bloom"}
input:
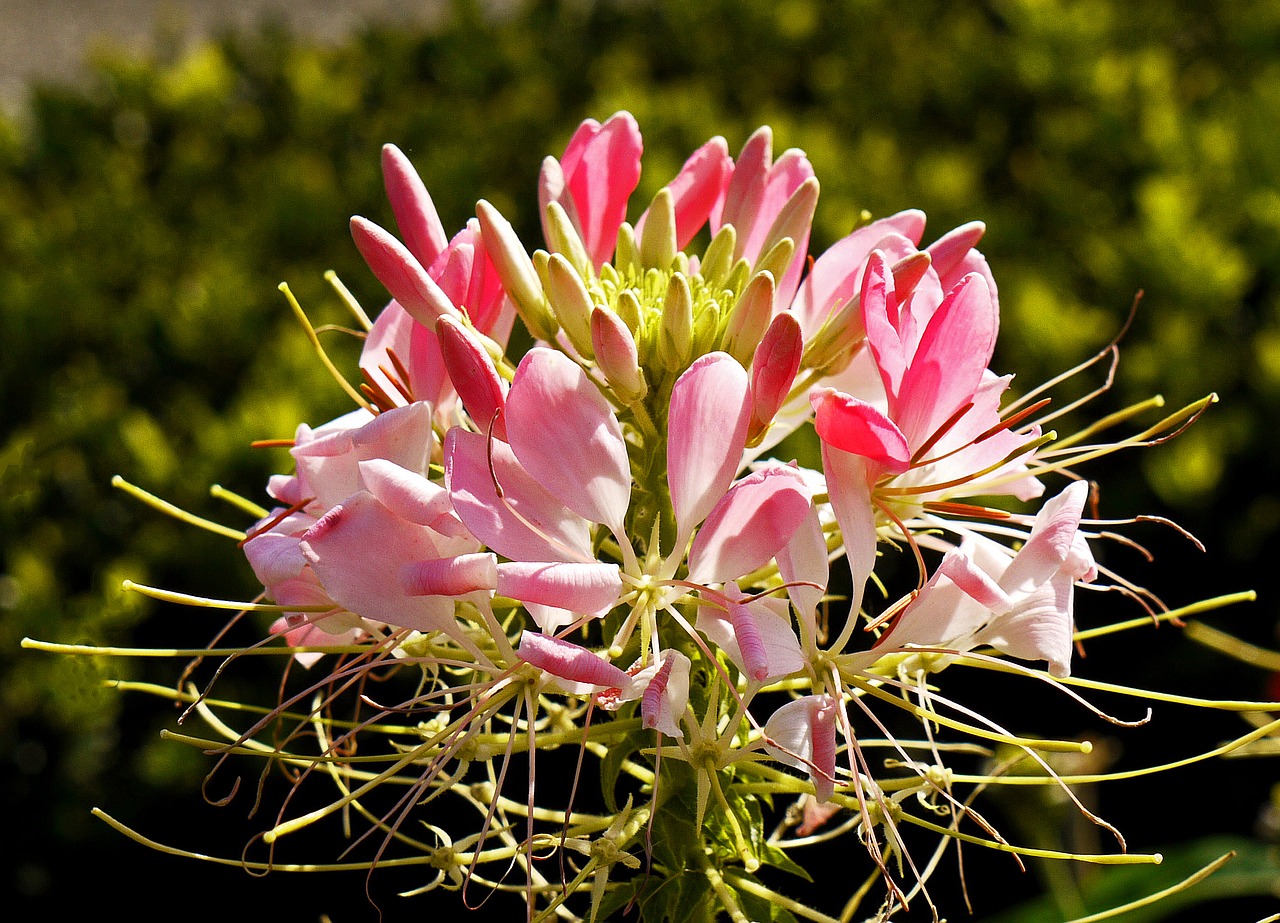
[(663, 690), (802, 734), (358, 551), (1019, 603)]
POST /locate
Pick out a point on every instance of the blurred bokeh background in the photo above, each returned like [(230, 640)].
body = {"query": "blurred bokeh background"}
[(155, 189)]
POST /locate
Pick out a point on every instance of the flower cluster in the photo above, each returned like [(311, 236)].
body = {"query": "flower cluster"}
[(607, 547)]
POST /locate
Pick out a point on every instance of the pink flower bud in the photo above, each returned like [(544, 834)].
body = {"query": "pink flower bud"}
[(415, 213), (773, 371), (568, 661), (616, 355), (474, 376), (401, 273)]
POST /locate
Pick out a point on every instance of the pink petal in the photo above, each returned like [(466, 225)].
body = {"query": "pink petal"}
[(802, 734), (950, 361), (357, 550), (569, 661), (601, 166), (855, 427), (417, 350), (746, 187), (665, 696), (849, 487), (750, 524), (401, 273), (412, 497), (949, 250), (589, 589), (889, 328), (415, 213), (803, 561), (757, 639), (698, 189), (401, 435), (567, 437), (527, 523), (1050, 543), (452, 576), (707, 431), (836, 277), (774, 368), (1038, 627)]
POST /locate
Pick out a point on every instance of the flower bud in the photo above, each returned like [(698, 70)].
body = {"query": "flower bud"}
[(616, 355), (794, 220), (908, 272), (563, 239), (837, 341), (415, 213), (515, 268), (570, 302), (401, 273), (773, 371), (777, 258), (658, 240), (675, 338), (473, 375), (718, 258), (749, 318), (626, 253)]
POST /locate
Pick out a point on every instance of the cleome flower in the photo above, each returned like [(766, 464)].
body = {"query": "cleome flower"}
[(596, 548)]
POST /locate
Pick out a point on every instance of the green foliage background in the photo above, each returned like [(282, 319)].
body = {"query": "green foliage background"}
[(146, 221)]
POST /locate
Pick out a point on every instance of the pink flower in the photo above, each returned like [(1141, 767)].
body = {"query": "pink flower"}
[(802, 734), (1021, 604)]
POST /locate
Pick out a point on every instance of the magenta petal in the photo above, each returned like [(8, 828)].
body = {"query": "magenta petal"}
[(415, 213), (950, 361), (401, 273), (707, 431), (589, 589), (474, 376), (854, 426), (357, 550), (527, 523), (750, 524), (567, 437), (889, 328), (698, 190), (601, 166)]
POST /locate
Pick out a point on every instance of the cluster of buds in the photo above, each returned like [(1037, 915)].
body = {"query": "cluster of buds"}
[(600, 548)]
